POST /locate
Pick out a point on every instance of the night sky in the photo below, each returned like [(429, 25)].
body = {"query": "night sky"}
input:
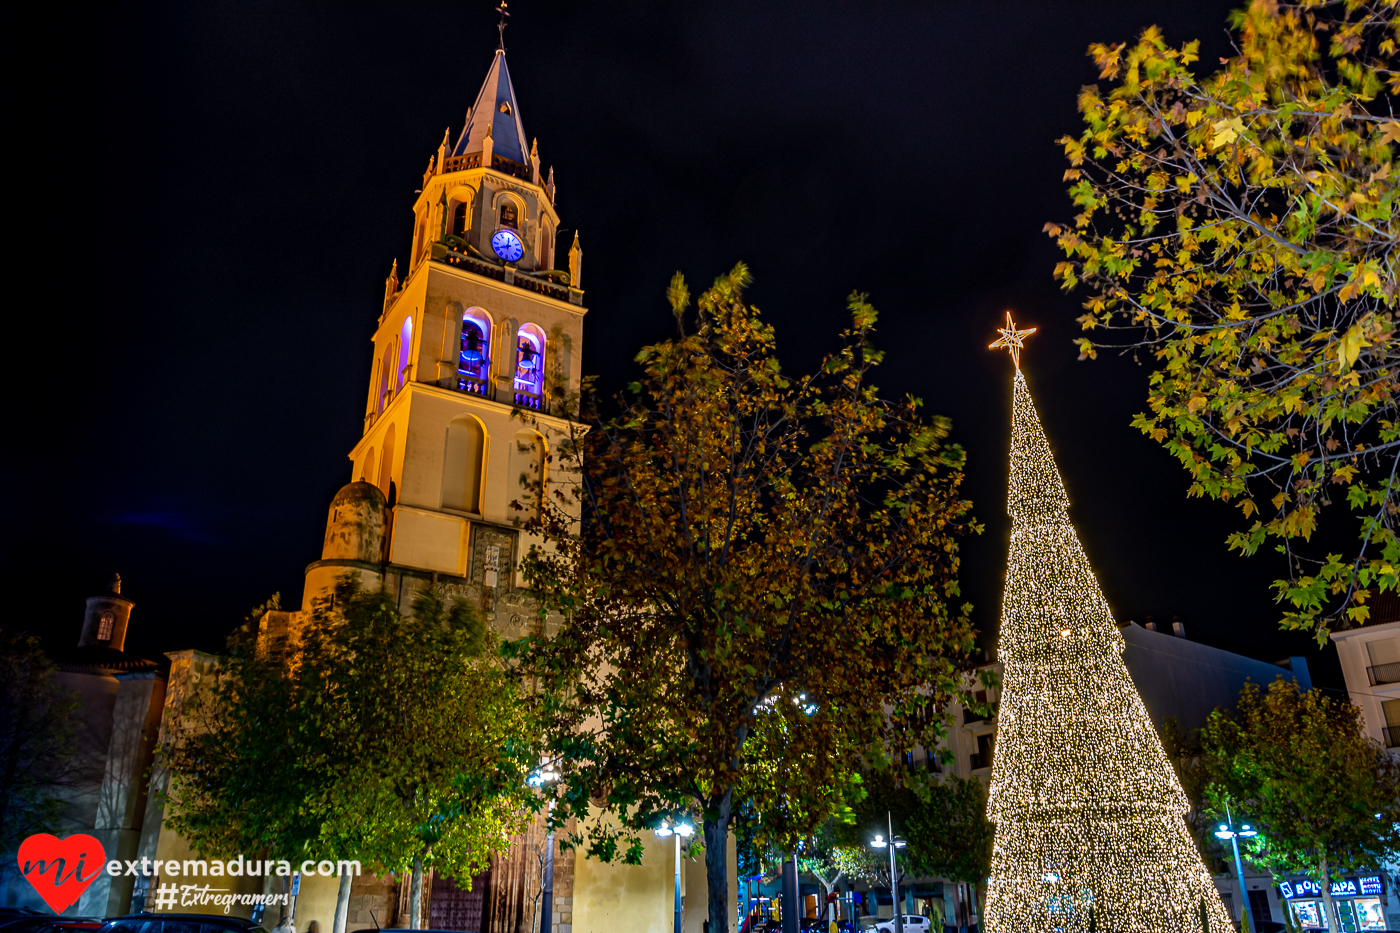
[(214, 193)]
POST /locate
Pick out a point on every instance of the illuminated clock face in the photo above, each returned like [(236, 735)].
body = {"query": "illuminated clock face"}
[(507, 245)]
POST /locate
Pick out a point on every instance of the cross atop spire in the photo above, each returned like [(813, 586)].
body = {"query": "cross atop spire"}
[(1011, 339), (502, 25)]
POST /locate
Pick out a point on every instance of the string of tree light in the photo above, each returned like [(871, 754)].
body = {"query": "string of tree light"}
[(1088, 811)]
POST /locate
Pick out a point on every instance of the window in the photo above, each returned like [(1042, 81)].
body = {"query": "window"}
[(1390, 711), (510, 216), (386, 463), (983, 757), (460, 219), (1259, 904), (405, 349), (385, 367), (461, 465), (546, 256), (474, 353), (529, 366), (1384, 655), (422, 226), (104, 625), (526, 466), (367, 468)]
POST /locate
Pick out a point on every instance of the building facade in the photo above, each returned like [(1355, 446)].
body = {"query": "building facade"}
[(120, 700), (1370, 657)]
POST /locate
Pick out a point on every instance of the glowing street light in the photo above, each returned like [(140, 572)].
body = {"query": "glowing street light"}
[(893, 843), (679, 830), (546, 775), (1227, 831)]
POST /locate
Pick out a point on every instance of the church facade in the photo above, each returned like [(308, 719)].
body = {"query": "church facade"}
[(475, 361)]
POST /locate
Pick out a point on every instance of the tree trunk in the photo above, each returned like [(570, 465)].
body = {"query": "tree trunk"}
[(1327, 892), (415, 896), (717, 864), (286, 905), (342, 902)]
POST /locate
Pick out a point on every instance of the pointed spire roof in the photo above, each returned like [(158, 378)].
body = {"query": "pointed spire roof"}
[(496, 113)]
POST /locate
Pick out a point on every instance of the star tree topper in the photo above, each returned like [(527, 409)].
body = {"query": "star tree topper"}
[(1011, 339)]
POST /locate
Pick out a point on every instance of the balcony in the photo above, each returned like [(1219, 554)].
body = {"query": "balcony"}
[(541, 284), (1384, 674), (1392, 736)]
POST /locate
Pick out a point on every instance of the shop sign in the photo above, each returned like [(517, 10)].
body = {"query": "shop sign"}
[(1347, 887)]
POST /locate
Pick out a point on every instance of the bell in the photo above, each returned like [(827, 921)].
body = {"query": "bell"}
[(529, 356), (472, 352)]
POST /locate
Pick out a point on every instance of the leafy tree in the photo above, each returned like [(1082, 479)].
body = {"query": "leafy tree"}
[(943, 819), (1184, 752), (395, 739), (949, 833), (1326, 798), (36, 740), (1240, 230), (757, 577)]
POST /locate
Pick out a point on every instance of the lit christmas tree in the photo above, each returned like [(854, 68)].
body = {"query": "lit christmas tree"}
[(1088, 811)]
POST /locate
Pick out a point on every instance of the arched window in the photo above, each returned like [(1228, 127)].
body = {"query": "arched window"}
[(461, 465), (386, 463), (474, 355), (104, 625), (526, 465), (418, 238), (386, 366), (529, 366), (460, 221), (546, 256), (510, 216), (367, 468), (405, 349)]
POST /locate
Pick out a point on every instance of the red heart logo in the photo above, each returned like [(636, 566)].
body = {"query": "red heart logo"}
[(58, 868)]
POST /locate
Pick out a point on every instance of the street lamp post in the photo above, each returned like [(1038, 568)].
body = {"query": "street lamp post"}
[(679, 830), (547, 775), (1227, 831), (895, 842)]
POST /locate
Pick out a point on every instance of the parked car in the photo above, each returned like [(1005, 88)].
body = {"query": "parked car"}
[(912, 924), (50, 923), (178, 923)]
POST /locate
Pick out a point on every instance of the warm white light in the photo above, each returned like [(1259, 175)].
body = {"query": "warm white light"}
[(1079, 778), (685, 829), (878, 842)]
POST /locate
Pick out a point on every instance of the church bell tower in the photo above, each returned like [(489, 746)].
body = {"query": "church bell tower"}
[(481, 329)]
